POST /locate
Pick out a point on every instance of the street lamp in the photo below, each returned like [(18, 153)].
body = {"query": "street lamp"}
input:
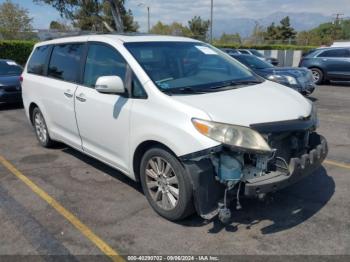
[(211, 20), (148, 16)]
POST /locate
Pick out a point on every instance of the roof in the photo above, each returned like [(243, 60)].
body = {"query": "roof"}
[(120, 37)]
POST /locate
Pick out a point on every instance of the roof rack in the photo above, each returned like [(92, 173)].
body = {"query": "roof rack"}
[(55, 34)]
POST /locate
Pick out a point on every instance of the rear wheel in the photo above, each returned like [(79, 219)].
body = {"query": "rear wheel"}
[(317, 75), (166, 184), (40, 127)]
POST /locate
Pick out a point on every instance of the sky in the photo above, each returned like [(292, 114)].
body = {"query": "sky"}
[(183, 10)]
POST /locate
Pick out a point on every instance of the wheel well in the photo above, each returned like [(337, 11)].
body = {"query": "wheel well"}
[(319, 68), (141, 150), (31, 108)]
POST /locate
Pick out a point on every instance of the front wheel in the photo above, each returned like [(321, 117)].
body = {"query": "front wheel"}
[(317, 75), (166, 184)]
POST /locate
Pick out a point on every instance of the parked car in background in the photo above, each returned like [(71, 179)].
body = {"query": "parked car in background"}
[(256, 53), (230, 51), (10, 85), (299, 79), (331, 63), (193, 125)]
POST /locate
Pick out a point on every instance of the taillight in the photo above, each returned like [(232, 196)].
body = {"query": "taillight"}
[(21, 79)]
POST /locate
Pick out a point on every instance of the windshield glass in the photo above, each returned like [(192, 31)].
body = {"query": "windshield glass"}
[(8, 68), (253, 62), (256, 53), (176, 65)]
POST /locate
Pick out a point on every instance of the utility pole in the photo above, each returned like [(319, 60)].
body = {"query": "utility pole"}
[(336, 22), (148, 15), (211, 20), (148, 20)]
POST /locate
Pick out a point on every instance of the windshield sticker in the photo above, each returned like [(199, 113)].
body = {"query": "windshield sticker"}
[(146, 54), (206, 50), (11, 63)]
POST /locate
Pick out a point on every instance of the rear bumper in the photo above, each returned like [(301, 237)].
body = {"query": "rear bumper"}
[(298, 169), (10, 97)]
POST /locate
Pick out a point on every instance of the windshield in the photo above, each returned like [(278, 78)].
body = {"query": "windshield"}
[(178, 65), (253, 62), (8, 68), (256, 53)]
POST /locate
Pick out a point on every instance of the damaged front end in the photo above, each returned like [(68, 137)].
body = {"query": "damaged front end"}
[(226, 172)]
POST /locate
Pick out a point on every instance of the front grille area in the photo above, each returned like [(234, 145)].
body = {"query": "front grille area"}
[(289, 144)]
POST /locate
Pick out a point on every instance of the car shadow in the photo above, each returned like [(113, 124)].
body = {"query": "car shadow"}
[(101, 167), (10, 106), (285, 209), (340, 83)]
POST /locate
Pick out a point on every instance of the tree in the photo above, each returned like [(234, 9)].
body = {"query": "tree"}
[(55, 25), (15, 22), (229, 39), (172, 29), (325, 34), (285, 31), (272, 32), (98, 15), (199, 27), (258, 35)]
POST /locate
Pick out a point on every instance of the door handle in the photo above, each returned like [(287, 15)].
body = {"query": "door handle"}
[(68, 93), (81, 97)]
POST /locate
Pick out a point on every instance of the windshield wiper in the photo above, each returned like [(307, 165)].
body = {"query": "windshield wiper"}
[(235, 84), (184, 90)]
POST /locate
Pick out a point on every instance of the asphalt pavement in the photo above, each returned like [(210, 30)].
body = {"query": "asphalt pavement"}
[(311, 217)]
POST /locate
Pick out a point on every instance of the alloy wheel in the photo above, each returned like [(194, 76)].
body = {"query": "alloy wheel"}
[(316, 76), (40, 127), (162, 183)]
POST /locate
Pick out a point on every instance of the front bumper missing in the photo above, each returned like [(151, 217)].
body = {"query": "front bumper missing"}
[(208, 192), (298, 169)]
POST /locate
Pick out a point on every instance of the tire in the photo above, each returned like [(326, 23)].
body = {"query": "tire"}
[(40, 127), (317, 75), (168, 189)]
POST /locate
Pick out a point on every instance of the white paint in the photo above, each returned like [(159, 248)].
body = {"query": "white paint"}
[(110, 127)]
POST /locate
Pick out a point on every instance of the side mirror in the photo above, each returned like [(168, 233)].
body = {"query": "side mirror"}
[(110, 85)]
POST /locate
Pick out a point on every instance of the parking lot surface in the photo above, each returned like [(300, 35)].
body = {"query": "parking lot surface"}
[(310, 217)]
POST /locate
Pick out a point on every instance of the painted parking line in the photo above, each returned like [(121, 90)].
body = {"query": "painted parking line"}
[(338, 164), (87, 232)]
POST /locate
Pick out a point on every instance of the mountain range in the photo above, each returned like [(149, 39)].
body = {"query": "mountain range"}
[(244, 26)]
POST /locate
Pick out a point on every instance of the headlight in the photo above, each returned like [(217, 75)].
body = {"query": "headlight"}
[(276, 78), (236, 136), (291, 80)]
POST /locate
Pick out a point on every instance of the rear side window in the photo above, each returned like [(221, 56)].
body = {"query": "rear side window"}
[(37, 62), (65, 62), (103, 61), (335, 53)]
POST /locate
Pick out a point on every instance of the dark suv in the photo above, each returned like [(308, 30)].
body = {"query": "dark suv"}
[(331, 63)]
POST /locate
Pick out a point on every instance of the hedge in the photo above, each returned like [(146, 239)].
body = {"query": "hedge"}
[(19, 51), (16, 50), (267, 47)]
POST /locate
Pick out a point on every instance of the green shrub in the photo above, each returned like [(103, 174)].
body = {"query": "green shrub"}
[(267, 47), (16, 50)]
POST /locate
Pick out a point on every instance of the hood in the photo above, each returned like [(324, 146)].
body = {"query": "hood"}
[(9, 81), (262, 103), (290, 71)]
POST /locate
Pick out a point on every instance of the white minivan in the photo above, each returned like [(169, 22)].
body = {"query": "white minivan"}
[(193, 125)]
